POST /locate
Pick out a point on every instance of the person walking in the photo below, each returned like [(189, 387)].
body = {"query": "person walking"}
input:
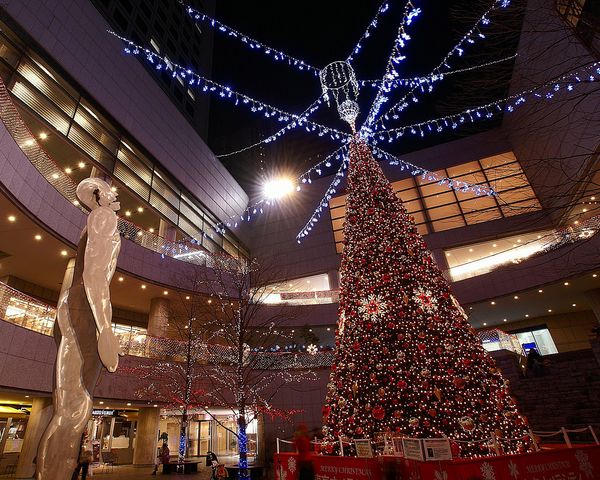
[(83, 465), (306, 470)]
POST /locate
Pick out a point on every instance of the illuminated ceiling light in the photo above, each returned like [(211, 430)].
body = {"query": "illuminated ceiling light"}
[(584, 210), (549, 310), (516, 297), (308, 281), (127, 213), (129, 404), (539, 236), (518, 240), (576, 222), (470, 250), (447, 254), (55, 176), (140, 233), (328, 329), (81, 164), (68, 171), (484, 324), (151, 230), (593, 198), (64, 253), (101, 403), (574, 305), (594, 275), (155, 405), (493, 303), (29, 142), (113, 189), (38, 237), (289, 284), (140, 209), (143, 287), (540, 291), (310, 329), (495, 245), (278, 188), (165, 292), (468, 259), (566, 284), (526, 315), (504, 320), (26, 396), (12, 218), (76, 202), (121, 279), (43, 136), (209, 301), (514, 245), (187, 297), (293, 331)]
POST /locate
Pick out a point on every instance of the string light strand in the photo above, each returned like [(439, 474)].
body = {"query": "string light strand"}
[(384, 7)]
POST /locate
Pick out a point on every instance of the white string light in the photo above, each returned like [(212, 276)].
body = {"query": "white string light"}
[(458, 50), (312, 108), (416, 171), (395, 58), (488, 110), (252, 43), (384, 7), (206, 85), (324, 203)]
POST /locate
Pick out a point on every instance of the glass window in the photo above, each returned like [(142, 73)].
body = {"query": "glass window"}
[(440, 199)]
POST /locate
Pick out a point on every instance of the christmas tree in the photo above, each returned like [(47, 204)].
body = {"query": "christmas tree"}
[(407, 361)]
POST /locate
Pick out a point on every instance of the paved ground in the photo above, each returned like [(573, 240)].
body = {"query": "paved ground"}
[(136, 473)]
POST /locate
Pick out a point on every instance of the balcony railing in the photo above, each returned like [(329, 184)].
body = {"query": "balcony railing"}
[(27, 312)]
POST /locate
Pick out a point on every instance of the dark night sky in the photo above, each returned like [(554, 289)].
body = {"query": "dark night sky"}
[(317, 32)]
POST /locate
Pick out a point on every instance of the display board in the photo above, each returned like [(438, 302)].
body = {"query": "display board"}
[(413, 448), (437, 449), (363, 448)]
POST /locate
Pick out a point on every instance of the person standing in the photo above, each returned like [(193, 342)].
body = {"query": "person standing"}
[(305, 464)]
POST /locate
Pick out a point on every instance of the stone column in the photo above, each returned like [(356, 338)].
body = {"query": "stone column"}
[(146, 436), (158, 318), (166, 231), (41, 413), (593, 298)]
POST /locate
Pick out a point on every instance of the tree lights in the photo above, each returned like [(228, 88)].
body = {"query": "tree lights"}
[(406, 359)]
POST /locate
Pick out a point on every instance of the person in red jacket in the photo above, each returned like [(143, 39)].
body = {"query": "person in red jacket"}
[(302, 443)]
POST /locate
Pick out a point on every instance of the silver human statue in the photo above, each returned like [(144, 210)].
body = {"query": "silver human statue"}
[(82, 331)]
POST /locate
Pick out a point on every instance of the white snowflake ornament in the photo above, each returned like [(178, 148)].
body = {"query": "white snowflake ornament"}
[(373, 307), (292, 464), (487, 471), (425, 300)]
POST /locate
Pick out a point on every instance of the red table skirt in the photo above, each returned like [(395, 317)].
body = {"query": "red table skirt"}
[(580, 463)]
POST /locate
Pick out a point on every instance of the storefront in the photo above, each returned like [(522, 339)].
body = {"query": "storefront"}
[(111, 434), (13, 423), (209, 432)]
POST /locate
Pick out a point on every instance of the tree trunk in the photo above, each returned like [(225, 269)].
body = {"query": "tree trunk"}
[(243, 445)]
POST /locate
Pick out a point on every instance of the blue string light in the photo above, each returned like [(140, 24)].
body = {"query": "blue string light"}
[(208, 86), (384, 7), (547, 91), (250, 42), (470, 37), (396, 57)]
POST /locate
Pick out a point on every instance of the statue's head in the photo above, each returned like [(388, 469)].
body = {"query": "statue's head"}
[(95, 192)]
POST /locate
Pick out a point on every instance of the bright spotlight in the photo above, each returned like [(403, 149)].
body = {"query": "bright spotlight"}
[(278, 188)]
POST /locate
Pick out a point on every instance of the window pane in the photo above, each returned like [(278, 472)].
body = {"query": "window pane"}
[(440, 199), (337, 201), (414, 206), (444, 212), (483, 216), (521, 207), (339, 247), (338, 223), (408, 195), (478, 203), (338, 212), (516, 195), (504, 184), (464, 169), (338, 236), (448, 223), (497, 160), (419, 217)]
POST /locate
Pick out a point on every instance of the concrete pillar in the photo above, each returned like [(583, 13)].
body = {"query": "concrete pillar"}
[(158, 318), (166, 231), (593, 298), (334, 279), (41, 413), (146, 436)]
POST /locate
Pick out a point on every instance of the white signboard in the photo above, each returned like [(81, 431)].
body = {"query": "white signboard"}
[(437, 449), (413, 448), (363, 448)]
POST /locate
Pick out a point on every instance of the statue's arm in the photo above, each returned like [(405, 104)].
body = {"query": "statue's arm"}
[(97, 273)]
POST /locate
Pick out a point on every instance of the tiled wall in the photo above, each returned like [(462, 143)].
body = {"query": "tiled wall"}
[(74, 34)]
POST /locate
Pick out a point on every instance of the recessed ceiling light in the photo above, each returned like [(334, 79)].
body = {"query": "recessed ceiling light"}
[(539, 236), (470, 250), (151, 230), (289, 285), (518, 240), (493, 303), (526, 315), (504, 319), (209, 301), (143, 287), (12, 218), (43, 135), (328, 329), (101, 403), (113, 189), (594, 275), (129, 404), (566, 284), (514, 245), (468, 259), (584, 210), (81, 165), (68, 171), (55, 176), (484, 324), (447, 254), (549, 310), (495, 245), (165, 293), (127, 213), (593, 198), (516, 297), (576, 222), (121, 279), (140, 209), (308, 281), (64, 253), (76, 202), (38, 237), (140, 233), (540, 291), (29, 142), (155, 405), (574, 305), (26, 396), (187, 297)]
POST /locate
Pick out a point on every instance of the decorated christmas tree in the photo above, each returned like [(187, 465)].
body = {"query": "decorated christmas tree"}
[(407, 361)]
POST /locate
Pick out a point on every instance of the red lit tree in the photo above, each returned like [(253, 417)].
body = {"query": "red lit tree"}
[(406, 361)]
